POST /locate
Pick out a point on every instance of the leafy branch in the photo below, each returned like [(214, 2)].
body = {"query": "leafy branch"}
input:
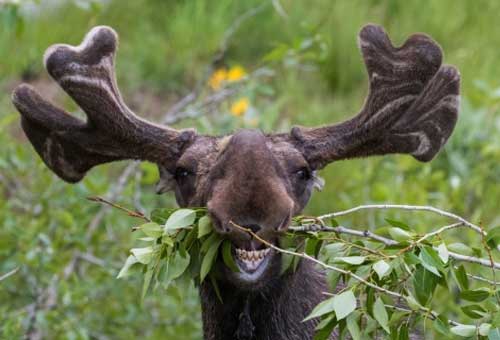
[(382, 279)]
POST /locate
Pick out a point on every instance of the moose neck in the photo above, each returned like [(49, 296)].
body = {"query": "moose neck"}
[(274, 312)]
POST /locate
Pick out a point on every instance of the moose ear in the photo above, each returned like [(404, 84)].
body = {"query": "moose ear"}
[(70, 146), (412, 104)]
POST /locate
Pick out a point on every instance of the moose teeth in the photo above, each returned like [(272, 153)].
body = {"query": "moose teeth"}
[(252, 258)]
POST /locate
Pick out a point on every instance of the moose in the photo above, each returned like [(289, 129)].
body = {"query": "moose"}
[(250, 178)]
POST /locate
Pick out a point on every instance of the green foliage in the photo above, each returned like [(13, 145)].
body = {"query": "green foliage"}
[(176, 249), (393, 287)]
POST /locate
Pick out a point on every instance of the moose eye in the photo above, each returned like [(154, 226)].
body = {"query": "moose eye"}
[(303, 174), (181, 173)]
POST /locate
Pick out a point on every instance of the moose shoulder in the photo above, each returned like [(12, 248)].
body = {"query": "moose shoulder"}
[(249, 178)]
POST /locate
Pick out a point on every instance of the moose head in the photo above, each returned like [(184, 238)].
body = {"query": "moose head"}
[(249, 178)]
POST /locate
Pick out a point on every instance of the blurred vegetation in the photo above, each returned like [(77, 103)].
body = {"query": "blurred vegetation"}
[(301, 66)]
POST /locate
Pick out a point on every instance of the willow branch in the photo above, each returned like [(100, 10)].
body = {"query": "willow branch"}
[(473, 259), (345, 230), (405, 207), (129, 212)]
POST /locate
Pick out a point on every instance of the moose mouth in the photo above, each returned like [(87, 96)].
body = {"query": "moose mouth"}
[(252, 263)]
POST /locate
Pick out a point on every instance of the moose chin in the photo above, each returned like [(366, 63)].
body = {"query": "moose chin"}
[(248, 178)]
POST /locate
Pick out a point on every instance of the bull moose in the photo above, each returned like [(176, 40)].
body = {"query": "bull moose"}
[(257, 180)]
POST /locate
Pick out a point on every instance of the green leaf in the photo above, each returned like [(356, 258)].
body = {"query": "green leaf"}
[(411, 259), (310, 247), (165, 239), (493, 237), (424, 283), (440, 324), (484, 329), (204, 226), (322, 308), (460, 276), (353, 327), (147, 281), (333, 250), (399, 234), (214, 283), (475, 295), (398, 224), (354, 260), (152, 229), (344, 304), (325, 332), (209, 259), (380, 314), (430, 260), (382, 268), (323, 323), (370, 299), (160, 216), (227, 256), (180, 219), (124, 272), (176, 266), (443, 253), (412, 303), (143, 255), (403, 332), (464, 330), (209, 241), (474, 311), (460, 248)]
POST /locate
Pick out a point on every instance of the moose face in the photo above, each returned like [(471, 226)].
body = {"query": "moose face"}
[(251, 180), (248, 179)]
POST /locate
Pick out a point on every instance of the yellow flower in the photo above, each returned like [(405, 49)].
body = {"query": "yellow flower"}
[(236, 73), (239, 107), (217, 78)]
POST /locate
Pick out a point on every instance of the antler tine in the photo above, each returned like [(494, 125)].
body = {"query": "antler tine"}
[(411, 107), (70, 146)]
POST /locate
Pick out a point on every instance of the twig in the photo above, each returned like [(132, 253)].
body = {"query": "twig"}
[(6, 275), (437, 232), (210, 100), (492, 262), (474, 259), (115, 191), (129, 212), (344, 230), (405, 207)]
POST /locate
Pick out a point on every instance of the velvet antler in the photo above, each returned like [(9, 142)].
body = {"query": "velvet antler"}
[(70, 146), (411, 107)]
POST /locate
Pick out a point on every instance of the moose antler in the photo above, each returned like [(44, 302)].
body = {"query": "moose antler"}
[(70, 146), (411, 107)]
